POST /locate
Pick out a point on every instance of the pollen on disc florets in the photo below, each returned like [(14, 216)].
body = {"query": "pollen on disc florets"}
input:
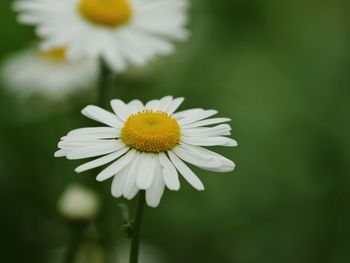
[(110, 13), (151, 131)]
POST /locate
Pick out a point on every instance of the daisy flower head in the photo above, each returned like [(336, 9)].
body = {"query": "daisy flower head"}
[(122, 32), (148, 145), (49, 73)]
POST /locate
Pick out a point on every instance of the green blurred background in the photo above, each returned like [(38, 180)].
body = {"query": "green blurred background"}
[(279, 69)]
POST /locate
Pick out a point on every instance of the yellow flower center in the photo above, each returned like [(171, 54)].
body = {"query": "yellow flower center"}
[(55, 54), (150, 131), (106, 12)]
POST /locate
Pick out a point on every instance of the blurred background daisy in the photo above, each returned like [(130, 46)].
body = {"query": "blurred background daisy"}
[(47, 73), (279, 70), (119, 31)]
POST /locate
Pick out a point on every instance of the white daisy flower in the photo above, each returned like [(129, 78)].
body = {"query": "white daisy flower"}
[(119, 31), (149, 145), (49, 73)]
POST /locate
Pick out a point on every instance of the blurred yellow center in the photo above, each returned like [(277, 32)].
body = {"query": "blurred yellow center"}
[(150, 131), (106, 12), (55, 54)]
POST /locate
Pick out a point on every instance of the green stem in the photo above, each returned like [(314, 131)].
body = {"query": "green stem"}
[(135, 238), (103, 83), (71, 254), (75, 236), (103, 96)]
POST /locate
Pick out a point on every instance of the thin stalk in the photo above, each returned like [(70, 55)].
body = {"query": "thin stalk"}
[(103, 96), (103, 83), (75, 237), (71, 254), (135, 237)]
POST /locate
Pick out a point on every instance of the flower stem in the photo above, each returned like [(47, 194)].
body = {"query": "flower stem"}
[(135, 238), (103, 83), (75, 237), (71, 253)]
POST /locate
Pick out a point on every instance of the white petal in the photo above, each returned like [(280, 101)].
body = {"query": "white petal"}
[(137, 104), (209, 141), (93, 151), (155, 192), (114, 59), (186, 113), (210, 164), (197, 117), (95, 132), (219, 130), (165, 102), (92, 130), (119, 181), (92, 137), (82, 143), (60, 153), (186, 172), (152, 105), (101, 115), (130, 186), (147, 171), (132, 108), (120, 109), (116, 166), (206, 154), (171, 177), (132, 192), (206, 122), (101, 161), (174, 105)]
